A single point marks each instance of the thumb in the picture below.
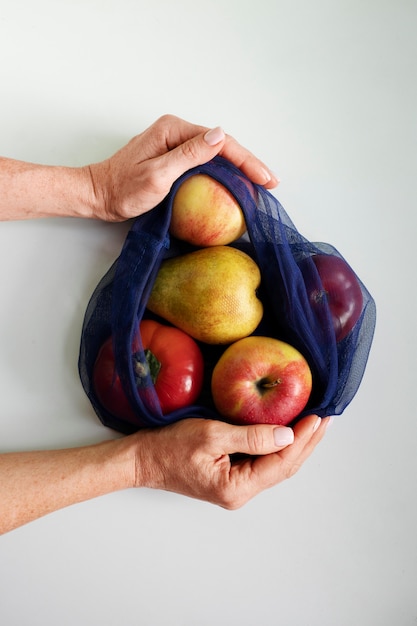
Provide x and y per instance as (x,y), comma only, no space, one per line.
(259,439)
(195,151)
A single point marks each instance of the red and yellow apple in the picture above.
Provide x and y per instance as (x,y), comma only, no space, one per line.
(205,213)
(261,380)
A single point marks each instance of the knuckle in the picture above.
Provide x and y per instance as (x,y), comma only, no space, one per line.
(256,439)
(231,497)
(209,433)
(231,502)
(152,179)
(190,151)
(290,469)
(158,132)
(166,120)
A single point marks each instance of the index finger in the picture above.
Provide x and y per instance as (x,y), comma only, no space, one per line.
(266,471)
(176,131)
(248,163)
(307,434)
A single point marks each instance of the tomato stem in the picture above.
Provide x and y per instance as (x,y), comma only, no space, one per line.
(153,364)
(150,367)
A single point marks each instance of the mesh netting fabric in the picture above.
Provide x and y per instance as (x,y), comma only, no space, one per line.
(284,257)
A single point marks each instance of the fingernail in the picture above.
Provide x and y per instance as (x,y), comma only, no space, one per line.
(266,174)
(330,422)
(317,424)
(214,136)
(283,436)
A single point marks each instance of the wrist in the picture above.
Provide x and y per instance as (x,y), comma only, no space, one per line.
(145,467)
(119,460)
(98,175)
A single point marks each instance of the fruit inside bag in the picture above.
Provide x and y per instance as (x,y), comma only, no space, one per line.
(294,291)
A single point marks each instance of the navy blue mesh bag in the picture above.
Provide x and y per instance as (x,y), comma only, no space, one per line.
(296,309)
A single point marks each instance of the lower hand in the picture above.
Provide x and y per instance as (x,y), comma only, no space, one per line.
(192,457)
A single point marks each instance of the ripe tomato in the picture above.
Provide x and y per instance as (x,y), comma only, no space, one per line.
(178,377)
(107,384)
(175,364)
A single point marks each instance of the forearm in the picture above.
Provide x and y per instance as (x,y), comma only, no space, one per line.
(28,190)
(33,484)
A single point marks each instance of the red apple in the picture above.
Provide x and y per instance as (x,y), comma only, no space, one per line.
(340,289)
(261,380)
(205,213)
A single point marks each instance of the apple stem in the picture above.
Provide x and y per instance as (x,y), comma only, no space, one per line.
(271,384)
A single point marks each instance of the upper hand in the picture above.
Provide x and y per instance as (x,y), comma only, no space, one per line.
(140,175)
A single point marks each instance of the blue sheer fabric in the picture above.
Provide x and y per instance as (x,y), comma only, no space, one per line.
(288,274)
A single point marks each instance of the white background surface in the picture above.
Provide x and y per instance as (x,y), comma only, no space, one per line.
(325,93)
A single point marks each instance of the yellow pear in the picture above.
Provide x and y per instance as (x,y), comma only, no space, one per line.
(209,293)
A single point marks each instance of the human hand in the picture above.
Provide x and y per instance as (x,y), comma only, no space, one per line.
(192,457)
(140,175)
